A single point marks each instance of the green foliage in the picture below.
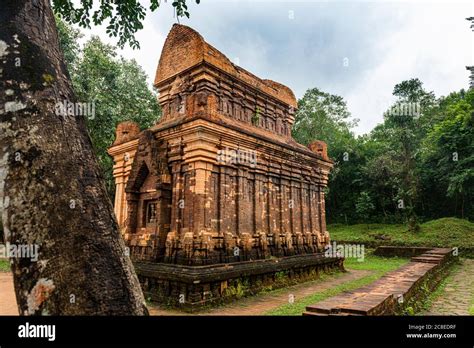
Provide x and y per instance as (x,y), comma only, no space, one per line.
(415,166)
(403,137)
(428,290)
(448,150)
(69,43)
(256,117)
(4,266)
(364,206)
(324,116)
(124,18)
(117,87)
(445,232)
(280,275)
(434,295)
(236,290)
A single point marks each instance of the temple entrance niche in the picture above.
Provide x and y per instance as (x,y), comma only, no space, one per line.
(148,196)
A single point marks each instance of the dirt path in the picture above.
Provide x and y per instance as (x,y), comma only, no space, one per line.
(7,295)
(458,295)
(258,305)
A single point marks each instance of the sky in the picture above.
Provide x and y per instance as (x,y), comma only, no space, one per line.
(356,49)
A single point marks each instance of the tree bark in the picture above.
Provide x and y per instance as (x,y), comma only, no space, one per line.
(51,189)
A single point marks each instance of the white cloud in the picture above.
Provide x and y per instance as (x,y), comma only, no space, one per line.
(385,42)
(434,44)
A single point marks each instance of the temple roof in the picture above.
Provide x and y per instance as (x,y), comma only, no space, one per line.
(184,48)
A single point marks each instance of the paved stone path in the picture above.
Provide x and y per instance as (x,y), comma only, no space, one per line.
(7,295)
(458,295)
(377,297)
(258,305)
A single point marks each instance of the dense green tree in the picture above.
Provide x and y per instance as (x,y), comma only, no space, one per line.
(324,116)
(119,91)
(416,165)
(69,43)
(379,174)
(364,206)
(404,128)
(448,151)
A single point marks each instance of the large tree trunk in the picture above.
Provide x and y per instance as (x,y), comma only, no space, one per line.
(51,189)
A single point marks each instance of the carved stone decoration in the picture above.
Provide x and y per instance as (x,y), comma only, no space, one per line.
(218,180)
(125,132)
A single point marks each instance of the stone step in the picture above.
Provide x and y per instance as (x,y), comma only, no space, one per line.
(381,296)
(323,315)
(427,259)
(315,314)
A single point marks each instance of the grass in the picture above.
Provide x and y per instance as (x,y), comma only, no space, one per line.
(439,290)
(445,232)
(378,265)
(375,263)
(4,266)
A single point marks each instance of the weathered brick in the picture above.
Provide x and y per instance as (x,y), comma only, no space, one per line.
(218,179)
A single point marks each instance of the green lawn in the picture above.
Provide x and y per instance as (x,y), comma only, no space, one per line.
(378,265)
(4,266)
(446,232)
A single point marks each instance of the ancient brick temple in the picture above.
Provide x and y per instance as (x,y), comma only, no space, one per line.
(218,189)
